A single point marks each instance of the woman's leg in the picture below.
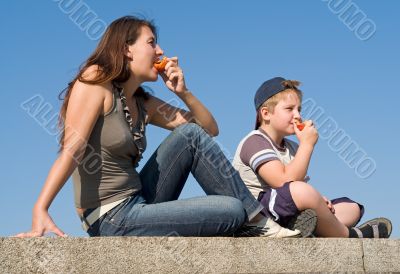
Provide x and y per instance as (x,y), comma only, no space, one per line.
(190,149)
(156,212)
(305,196)
(203,216)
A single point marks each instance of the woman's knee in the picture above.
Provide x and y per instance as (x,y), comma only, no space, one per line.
(189,129)
(181,137)
(186,133)
(193,135)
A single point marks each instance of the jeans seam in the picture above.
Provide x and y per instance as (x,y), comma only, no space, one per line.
(162,181)
(165,223)
(214,177)
(252,204)
(219,182)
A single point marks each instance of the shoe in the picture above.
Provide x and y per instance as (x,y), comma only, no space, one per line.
(381,227)
(305,221)
(266,228)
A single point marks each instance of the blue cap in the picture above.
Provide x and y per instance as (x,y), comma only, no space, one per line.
(268,89)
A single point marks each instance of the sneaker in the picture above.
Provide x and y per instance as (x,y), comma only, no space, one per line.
(305,221)
(381,228)
(266,228)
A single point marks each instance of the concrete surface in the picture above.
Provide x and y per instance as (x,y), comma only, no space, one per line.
(197,255)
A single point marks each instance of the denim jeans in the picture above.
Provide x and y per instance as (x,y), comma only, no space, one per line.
(155,210)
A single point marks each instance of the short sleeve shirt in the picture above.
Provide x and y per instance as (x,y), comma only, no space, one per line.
(256,149)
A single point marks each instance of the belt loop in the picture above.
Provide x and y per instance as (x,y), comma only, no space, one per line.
(97,213)
(85,224)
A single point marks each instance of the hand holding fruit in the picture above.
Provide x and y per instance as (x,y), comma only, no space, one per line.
(172,74)
(306,132)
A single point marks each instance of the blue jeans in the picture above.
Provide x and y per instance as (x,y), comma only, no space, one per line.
(155,210)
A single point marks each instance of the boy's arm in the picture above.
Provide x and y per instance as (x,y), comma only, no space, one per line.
(277,174)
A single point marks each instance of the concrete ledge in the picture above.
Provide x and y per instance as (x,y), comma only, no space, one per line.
(191,255)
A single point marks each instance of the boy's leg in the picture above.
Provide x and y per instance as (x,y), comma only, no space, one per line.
(379,227)
(305,221)
(305,196)
(279,205)
(347,211)
(190,149)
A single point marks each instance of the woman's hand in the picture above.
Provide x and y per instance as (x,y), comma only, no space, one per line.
(173,77)
(41,225)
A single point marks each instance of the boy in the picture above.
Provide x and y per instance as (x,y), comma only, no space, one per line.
(274,167)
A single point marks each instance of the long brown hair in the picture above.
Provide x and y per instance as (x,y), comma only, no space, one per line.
(110,60)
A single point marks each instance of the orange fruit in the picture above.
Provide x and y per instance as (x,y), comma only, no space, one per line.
(160,64)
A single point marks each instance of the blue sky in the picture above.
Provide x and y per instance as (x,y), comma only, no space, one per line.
(226,49)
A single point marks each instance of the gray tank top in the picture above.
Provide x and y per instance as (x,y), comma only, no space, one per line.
(107,172)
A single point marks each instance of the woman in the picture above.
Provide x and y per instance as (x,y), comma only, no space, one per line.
(103,119)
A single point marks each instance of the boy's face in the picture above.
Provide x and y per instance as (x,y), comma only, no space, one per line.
(286,112)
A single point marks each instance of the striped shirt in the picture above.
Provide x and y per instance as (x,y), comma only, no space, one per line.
(256,149)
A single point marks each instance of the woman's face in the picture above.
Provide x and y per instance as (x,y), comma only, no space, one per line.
(143,53)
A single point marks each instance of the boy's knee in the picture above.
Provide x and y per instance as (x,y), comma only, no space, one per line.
(354,208)
(304,195)
(299,186)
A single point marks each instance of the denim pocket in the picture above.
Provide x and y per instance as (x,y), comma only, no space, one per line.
(113,215)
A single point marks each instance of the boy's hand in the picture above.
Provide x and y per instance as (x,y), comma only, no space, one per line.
(329,204)
(309,134)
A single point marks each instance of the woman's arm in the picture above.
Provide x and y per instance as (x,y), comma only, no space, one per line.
(167,116)
(85,104)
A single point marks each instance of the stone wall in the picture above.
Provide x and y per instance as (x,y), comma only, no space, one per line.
(196,255)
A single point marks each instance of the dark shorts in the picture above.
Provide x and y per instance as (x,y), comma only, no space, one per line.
(279,205)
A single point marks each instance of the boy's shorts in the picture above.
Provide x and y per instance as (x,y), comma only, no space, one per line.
(279,205)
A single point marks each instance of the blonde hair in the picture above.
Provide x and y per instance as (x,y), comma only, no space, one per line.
(291,86)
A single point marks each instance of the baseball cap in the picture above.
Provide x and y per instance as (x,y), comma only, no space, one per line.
(268,89)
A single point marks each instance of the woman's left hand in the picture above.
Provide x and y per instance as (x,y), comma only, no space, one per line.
(173,77)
